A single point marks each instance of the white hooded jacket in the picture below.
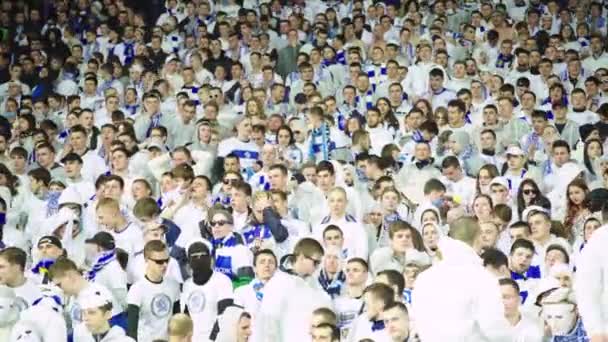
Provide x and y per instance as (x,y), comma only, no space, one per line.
(460,296)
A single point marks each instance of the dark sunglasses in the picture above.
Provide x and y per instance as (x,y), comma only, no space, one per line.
(229,181)
(218,223)
(160,261)
(529,192)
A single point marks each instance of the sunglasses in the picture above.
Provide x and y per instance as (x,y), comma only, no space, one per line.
(529,192)
(229,181)
(218,223)
(316,262)
(160,261)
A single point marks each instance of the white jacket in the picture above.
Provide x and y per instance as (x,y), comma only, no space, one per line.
(458,300)
(115,334)
(286,310)
(591,284)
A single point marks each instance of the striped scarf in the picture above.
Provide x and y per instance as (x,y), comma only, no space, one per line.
(376,74)
(52,202)
(104,259)
(332,287)
(503,61)
(321,145)
(257,231)
(369,101)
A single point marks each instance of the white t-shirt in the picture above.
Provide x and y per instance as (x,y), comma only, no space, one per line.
(137,266)
(201,302)
(130,239)
(155,302)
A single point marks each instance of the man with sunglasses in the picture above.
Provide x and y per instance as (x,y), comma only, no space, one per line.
(291,296)
(152,300)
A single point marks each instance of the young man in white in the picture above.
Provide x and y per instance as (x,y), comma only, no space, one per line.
(291,296)
(250,296)
(96,306)
(106,271)
(349,304)
(128,235)
(207,294)
(525,329)
(66,276)
(371,324)
(397,321)
(12,275)
(152,300)
(355,238)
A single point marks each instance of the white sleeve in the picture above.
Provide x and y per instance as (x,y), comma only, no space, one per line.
(489,311)
(158,165)
(268,319)
(590,274)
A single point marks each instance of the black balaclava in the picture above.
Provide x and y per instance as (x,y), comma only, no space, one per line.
(199,259)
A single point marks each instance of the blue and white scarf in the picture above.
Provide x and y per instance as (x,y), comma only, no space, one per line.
(320,143)
(258,286)
(102,260)
(533,272)
(369,101)
(52,202)
(257,231)
(154,122)
(332,287)
(228,241)
(504,61)
(376,74)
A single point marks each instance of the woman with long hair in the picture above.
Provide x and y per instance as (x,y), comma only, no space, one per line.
(483,209)
(484,178)
(391,123)
(577,209)
(287,149)
(592,151)
(527,194)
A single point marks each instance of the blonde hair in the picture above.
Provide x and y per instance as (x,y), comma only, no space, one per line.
(260,195)
(108,203)
(180,325)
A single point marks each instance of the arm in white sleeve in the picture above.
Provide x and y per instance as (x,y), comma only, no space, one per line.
(588,286)
(490,311)
(158,165)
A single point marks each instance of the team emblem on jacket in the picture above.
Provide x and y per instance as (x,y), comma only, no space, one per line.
(196,302)
(76,313)
(161,305)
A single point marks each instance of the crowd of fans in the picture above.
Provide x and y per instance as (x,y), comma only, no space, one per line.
(303,170)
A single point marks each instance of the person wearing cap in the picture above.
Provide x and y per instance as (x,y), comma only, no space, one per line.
(153,299)
(66,276)
(207,293)
(72,165)
(516,169)
(106,269)
(49,249)
(96,310)
(560,314)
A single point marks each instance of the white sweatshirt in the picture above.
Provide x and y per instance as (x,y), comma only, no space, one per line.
(591,284)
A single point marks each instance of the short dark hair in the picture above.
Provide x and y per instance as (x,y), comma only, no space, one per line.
(154,246)
(495,258)
(509,282)
(359,261)
(265,251)
(382,292)
(394,278)
(41,174)
(433,184)
(522,243)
